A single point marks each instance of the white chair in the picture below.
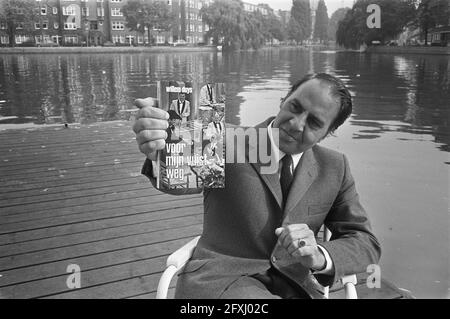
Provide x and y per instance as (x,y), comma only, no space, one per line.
(179,258)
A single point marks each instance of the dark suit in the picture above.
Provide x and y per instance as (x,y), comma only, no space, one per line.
(240,220)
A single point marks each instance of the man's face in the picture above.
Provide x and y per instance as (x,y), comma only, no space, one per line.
(182,97)
(305,117)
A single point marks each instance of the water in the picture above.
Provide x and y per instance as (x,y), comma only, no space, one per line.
(397,139)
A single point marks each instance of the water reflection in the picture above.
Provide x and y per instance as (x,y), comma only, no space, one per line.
(413,90)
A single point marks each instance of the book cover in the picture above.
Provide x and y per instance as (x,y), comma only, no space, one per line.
(194,156)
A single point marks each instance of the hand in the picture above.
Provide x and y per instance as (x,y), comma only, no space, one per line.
(150,127)
(300,242)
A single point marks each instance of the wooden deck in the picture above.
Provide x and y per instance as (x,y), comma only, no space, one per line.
(76,196)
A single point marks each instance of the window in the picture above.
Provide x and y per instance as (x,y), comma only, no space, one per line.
(70,26)
(100,12)
(4,39)
(118,39)
(115,12)
(55,10)
(43,11)
(85,11)
(45,25)
(21,38)
(37,26)
(19,25)
(118,25)
(70,39)
(3,25)
(200,29)
(55,25)
(69,11)
(94,25)
(206,28)
(116,0)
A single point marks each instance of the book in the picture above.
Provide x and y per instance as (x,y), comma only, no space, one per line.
(194,155)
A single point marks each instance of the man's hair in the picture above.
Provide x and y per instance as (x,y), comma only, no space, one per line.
(173,115)
(338,90)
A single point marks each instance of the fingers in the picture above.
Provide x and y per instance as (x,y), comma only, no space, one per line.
(147,102)
(146,136)
(151,147)
(297,239)
(149,124)
(288,233)
(152,112)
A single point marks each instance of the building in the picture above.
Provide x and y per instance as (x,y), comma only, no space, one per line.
(264,9)
(440,35)
(96,22)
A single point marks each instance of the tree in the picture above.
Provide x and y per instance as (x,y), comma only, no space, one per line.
(18,14)
(275,27)
(147,15)
(335,18)
(226,23)
(321,24)
(353,30)
(299,27)
(432,13)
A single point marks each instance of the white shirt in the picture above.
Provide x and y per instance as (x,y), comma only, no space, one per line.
(277,156)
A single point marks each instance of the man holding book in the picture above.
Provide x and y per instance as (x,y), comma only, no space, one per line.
(259,233)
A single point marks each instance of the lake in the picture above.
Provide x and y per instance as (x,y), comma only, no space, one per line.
(397,139)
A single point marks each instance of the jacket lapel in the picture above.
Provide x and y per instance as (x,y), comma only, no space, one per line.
(272,181)
(305,174)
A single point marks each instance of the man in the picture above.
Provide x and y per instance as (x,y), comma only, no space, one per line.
(181,107)
(259,231)
(216,127)
(173,131)
(207,95)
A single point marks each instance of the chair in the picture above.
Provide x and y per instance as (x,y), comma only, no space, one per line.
(179,258)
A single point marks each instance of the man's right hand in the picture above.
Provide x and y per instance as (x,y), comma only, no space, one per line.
(150,127)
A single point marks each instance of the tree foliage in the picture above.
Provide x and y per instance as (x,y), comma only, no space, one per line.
(147,15)
(396,15)
(333,23)
(299,27)
(432,13)
(236,29)
(321,23)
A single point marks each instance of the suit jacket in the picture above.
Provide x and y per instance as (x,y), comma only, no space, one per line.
(205,95)
(185,111)
(240,221)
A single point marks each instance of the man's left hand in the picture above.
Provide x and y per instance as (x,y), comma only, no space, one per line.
(300,242)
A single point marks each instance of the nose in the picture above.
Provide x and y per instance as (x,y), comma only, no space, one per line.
(298,122)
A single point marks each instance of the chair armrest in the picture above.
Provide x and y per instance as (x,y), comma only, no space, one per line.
(349,283)
(180,257)
(174,263)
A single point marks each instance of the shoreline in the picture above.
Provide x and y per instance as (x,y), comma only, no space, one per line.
(189,49)
(408,50)
(102,50)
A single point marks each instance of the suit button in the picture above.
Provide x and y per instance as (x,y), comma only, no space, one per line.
(274,259)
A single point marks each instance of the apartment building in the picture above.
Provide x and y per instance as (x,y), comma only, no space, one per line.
(96,22)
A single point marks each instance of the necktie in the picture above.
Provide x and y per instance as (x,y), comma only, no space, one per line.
(286,176)
(210,93)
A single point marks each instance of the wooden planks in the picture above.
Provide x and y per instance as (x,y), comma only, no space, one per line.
(76,196)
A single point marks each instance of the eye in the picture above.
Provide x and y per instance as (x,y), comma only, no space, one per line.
(296,108)
(314,123)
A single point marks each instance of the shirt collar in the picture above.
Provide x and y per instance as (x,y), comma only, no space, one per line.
(277,153)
